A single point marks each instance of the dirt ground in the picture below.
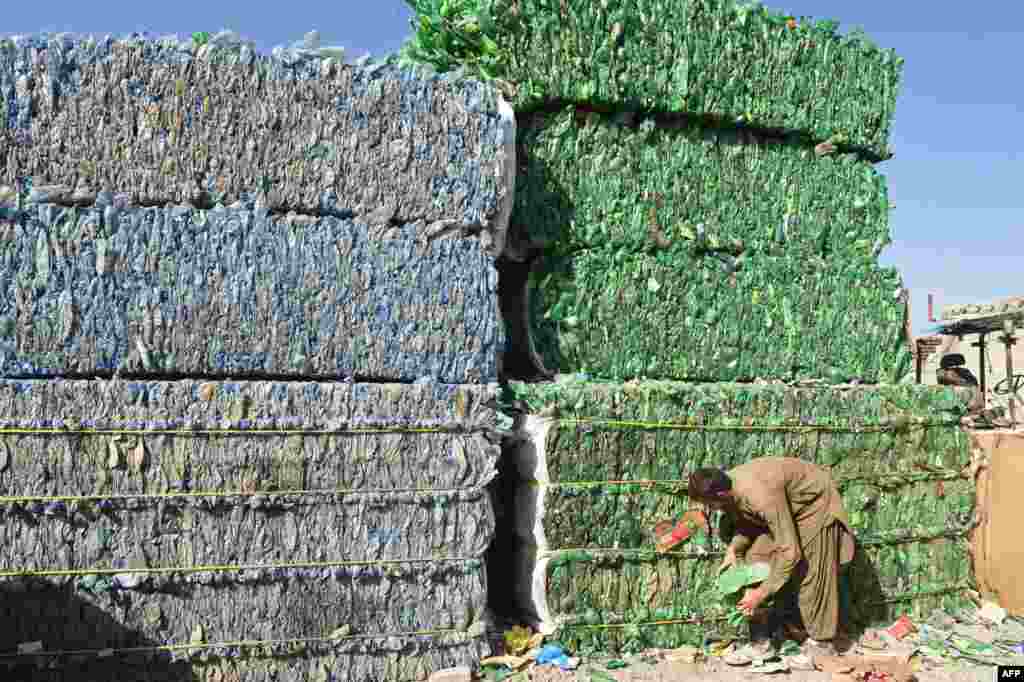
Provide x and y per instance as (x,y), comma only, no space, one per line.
(939,649)
(716,671)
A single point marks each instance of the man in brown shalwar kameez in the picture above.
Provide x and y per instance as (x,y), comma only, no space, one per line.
(798,505)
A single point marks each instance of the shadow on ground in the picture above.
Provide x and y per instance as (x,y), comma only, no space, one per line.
(63,618)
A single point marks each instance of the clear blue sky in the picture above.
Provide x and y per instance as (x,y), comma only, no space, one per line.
(956,179)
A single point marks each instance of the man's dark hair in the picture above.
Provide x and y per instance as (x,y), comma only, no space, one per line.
(952,360)
(707,484)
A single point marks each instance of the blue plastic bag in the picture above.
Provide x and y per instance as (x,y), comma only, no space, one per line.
(552,654)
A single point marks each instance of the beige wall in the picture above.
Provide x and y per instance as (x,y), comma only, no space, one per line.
(996,548)
(995,368)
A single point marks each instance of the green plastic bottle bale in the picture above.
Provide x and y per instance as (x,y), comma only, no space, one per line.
(912,578)
(884,506)
(711,58)
(680,317)
(574,520)
(657,184)
(589,404)
(670,594)
(617,431)
(896,452)
(633,590)
(633,638)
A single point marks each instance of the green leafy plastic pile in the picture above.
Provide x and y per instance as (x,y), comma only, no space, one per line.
(697,199)
(714,58)
(616,457)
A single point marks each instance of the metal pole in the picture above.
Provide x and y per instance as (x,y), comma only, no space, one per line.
(918,362)
(980,345)
(1009,341)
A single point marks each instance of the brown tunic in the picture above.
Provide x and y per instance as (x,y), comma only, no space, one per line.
(794,501)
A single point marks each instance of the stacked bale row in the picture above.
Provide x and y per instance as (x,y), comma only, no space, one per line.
(405,167)
(688,229)
(718,59)
(607,462)
(339,519)
(697,202)
(223,525)
(674,222)
(690,247)
(239,291)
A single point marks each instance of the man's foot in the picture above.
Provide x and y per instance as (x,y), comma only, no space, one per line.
(815,647)
(762,650)
(811,650)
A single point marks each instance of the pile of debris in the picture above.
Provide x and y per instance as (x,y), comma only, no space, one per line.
(903,652)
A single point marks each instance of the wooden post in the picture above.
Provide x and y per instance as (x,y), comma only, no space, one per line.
(1009,341)
(980,345)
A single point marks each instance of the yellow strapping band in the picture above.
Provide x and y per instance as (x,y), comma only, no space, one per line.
(955,533)
(697,621)
(922,477)
(229,493)
(103,653)
(767,427)
(225,431)
(31,572)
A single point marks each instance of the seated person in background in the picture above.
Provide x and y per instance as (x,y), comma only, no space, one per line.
(951,372)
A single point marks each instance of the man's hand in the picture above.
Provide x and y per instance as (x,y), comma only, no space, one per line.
(752,598)
(730,559)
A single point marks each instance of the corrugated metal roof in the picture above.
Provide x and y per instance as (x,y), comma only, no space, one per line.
(982,318)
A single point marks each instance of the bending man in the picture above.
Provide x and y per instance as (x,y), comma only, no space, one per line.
(798,505)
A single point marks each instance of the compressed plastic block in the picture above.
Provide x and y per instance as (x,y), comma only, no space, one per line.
(165,121)
(239,292)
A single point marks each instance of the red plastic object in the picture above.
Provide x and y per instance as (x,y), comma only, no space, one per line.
(901,628)
(668,536)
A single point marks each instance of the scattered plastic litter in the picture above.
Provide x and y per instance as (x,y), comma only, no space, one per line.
(769,668)
(789,648)
(683,654)
(992,613)
(552,654)
(519,640)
